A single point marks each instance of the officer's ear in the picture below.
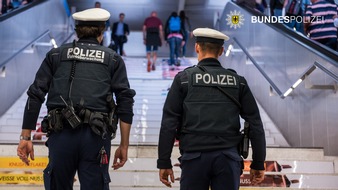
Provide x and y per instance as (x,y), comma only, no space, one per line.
(221,51)
(197,48)
(100,38)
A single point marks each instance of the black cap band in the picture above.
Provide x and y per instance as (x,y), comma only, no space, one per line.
(91,23)
(210,40)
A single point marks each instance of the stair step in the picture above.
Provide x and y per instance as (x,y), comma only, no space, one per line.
(34,187)
(149,165)
(9,137)
(150,151)
(304,168)
(10,129)
(150,180)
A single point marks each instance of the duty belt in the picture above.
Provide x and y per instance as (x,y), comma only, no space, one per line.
(98,121)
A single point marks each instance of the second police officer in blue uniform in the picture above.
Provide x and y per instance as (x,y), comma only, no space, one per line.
(80,79)
(207,121)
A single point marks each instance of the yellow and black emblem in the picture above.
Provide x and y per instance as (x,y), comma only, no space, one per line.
(235,19)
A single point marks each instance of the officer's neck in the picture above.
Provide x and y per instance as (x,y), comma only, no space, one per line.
(206,55)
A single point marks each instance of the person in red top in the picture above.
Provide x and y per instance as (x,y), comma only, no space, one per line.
(152,38)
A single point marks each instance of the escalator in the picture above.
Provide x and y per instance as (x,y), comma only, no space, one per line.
(26,36)
(292,77)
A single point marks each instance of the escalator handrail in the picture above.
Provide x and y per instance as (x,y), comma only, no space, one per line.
(32,42)
(325,70)
(22,49)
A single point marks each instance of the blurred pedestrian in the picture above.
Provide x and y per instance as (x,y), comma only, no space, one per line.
(174,35)
(152,38)
(120,32)
(276,7)
(296,9)
(107,33)
(187,30)
(323,29)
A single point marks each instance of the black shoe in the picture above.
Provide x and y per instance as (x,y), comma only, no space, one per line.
(178,63)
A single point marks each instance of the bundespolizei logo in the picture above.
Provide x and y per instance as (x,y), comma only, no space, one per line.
(235,19)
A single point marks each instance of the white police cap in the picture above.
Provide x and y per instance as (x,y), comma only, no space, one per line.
(93,16)
(209,35)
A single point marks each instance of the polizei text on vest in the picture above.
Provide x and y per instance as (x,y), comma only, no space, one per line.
(218,79)
(85,54)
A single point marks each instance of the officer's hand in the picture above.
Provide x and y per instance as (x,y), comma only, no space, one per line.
(164,174)
(120,157)
(256,176)
(25,149)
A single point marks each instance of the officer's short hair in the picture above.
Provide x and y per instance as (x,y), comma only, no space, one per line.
(91,22)
(210,47)
(89,31)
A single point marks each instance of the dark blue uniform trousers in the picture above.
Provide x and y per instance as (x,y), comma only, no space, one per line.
(219,170)
(76,150)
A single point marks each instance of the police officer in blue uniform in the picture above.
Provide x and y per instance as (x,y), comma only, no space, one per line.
(81,79)
(207,122)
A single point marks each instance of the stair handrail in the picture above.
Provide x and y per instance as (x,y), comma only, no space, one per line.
(272,84)
(30,43)
(325,70)
(304,77)
(22,49)
(305,74)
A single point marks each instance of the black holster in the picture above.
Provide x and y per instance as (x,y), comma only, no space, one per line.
(53,122)
(244,144)
(112,116)
(112,124)
(99,122)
